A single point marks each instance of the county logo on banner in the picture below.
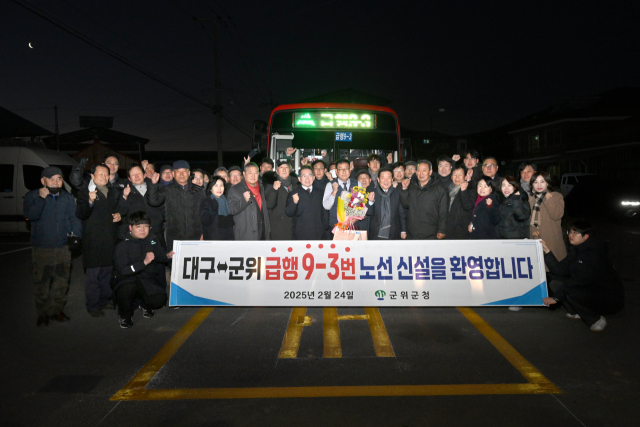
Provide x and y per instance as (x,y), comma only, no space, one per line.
(358,273)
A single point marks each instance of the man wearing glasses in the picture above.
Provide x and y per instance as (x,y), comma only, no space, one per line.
(304,204)
(335,188)
(490,169)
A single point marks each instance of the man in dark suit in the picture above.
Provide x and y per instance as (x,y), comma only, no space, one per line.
(387,216)
(304,204)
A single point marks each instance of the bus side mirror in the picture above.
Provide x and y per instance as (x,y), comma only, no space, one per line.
(259,135)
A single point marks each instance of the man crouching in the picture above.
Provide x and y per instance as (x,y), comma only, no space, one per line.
(140,273)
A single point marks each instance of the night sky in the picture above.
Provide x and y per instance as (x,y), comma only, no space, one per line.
(485,63)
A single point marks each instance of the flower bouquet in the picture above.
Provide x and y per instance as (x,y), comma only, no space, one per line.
(352,207)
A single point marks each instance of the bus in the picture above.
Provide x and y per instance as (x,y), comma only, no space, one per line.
(329,131)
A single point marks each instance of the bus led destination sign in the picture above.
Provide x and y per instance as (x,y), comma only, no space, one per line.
(334,120)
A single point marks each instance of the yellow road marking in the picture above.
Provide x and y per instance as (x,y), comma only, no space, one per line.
(331,333)
(335,391)
(291,342)
(135,389)
(353,317)
(148,371)
(381,341)
(527,370)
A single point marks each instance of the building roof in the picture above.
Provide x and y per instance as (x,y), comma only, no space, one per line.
(14,126)
(76,140)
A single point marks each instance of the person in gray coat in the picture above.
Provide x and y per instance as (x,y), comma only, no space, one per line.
(248,206)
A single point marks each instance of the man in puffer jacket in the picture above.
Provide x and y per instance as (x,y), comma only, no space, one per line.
(52,213)
(139,271)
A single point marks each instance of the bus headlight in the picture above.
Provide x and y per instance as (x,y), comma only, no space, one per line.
(630,203)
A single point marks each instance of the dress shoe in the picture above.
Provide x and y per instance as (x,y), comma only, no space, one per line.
(60,317)
(43,320)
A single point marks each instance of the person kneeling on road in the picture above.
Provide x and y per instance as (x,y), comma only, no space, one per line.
(588,284)
(140,274)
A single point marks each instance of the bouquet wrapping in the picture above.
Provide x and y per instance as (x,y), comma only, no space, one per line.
(352,207)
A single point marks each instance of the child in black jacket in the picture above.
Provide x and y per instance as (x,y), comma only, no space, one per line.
(138,263)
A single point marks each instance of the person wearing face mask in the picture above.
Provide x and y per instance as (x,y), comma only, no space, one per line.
(462,197)
(277,187)
(217,221)
(514,210)
(51,210)
(388,219)
(304,206)
(547,210)
(486,212)
(100,209)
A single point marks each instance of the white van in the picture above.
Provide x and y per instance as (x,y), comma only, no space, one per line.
(20,169)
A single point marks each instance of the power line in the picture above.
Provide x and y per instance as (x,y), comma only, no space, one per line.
(67,28)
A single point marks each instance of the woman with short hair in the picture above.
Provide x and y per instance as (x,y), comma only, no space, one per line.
(486,212)
(514,210)
(547,210)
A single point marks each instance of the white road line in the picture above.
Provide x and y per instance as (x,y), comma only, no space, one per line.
(17,250)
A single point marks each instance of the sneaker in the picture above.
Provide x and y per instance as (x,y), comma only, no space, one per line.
(573,316)
(599,325)
(514,308)
(146,313)
(126,323)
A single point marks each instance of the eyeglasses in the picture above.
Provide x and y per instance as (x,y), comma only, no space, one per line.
(489,165)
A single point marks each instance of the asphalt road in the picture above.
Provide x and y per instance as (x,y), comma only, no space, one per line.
(233,366)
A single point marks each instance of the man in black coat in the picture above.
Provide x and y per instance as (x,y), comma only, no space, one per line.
(140,274)
(304,205)
(427,203)
(490,169)
(322,178)
(588,284)
(387,216)
(181,201)
(277,187)
(471,160)
(135,201)
(100,209)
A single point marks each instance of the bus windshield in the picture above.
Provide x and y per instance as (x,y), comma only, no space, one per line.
(333,131)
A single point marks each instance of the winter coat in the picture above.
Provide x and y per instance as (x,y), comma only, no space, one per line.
(214,226)
(99,232)
(307,215)
(398,215)
(588,277)
(281,224)
(51,219)
(550,228)
(181,210)
(320,185)
(428,208)
(333,212)
(128,263)
(247,216)
(515,213)
(460,212)
(136,202)
(485,219)
(445,181)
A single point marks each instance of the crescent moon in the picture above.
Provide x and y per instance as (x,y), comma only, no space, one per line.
(30,45)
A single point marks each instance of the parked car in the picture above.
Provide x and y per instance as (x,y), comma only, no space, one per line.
(612,199)
(569,180)
(20,169)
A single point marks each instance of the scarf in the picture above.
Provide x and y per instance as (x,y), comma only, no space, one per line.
(453,190)
(256,194)
(142,188)
(525,186)
(286,183)
(374,175)
(103,189)
(478,200)
(385,208)
(535,211)
(223,205)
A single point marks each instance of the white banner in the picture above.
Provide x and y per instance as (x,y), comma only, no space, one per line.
(358,273)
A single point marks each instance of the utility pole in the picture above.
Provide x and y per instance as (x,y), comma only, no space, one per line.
(218,109)
(55,110)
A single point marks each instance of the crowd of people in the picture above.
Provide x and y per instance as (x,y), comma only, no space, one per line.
(126,227)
